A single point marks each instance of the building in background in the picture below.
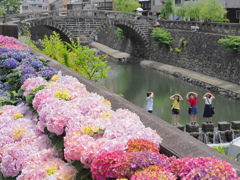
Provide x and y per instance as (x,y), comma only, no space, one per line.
(34,5)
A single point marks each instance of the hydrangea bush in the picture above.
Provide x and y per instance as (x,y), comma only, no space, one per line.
(61,131)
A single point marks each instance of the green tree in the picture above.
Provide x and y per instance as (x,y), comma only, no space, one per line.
(181,12)
(167,9)
(193,10)
(1,10)
(11,6)
(126,5)
(212,10)
(78,58)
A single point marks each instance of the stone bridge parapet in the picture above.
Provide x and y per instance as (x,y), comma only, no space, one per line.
(208,27)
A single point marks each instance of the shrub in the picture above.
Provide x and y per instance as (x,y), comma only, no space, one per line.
(222,20)
(231,43)
(162,37)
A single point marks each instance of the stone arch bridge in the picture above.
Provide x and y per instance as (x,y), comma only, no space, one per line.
(89,23)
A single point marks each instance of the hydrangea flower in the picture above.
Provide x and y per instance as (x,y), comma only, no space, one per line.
(28,70)
(202,167)
(47,72)
(136,145)
(10,63)
(155,172)
(37,64)
(27,76)
(120,164)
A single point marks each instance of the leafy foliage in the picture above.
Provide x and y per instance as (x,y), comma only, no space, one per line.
(76,57)
(219,149)
(119,33)
(167,9)
(126,5)
(231,43)
(162,37)
(181,12)
(11,6)
(193,10)
(222,20)
(211,10)
(1,10)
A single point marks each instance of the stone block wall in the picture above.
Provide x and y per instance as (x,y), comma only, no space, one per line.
(202,54)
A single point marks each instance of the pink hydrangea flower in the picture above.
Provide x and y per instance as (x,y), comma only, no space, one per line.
(202,167)
(80,147)
(32,83)
(15,46)
(8,40)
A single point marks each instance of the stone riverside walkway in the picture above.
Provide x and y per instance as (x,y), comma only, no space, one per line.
(192,74)
(227,86)
(111,52)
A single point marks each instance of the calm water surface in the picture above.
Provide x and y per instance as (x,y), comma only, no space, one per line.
(133,81)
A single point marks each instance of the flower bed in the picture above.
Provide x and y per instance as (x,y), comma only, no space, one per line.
(56,129)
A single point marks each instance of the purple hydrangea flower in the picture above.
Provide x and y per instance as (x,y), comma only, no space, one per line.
(2,93)
(26,76)
(17,56)
(3,56)
(10,75)
(48,72)
(10,63)
(3,49)
(28,70)
(36,64)
(30,58)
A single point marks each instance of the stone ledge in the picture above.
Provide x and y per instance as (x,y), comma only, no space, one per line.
(175,142)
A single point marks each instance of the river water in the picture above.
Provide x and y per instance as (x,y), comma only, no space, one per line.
(133,81)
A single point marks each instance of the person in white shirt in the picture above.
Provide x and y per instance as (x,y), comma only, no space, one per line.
(149,99)
(208,111)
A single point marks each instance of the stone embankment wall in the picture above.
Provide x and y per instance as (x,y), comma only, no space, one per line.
(202,54)
(109,38)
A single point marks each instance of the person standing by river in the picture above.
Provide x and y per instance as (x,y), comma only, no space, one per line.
(192,99)
(208,111)
(149,99)
(175,108)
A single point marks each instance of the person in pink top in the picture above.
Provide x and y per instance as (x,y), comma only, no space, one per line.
(192,99)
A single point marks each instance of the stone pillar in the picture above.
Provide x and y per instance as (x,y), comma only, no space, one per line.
(192,128)
(223,126)
(236,125)
(206,127)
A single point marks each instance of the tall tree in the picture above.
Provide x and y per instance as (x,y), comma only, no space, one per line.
(126,5)
(167,9)
(193,10)
(181,12)
(1,10)
(11,6)
(212,10)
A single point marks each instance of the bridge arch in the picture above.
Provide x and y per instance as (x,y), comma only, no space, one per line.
(138,38)
(65,34)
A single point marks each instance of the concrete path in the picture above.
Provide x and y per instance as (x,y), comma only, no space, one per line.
(188,73)
(111,52)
